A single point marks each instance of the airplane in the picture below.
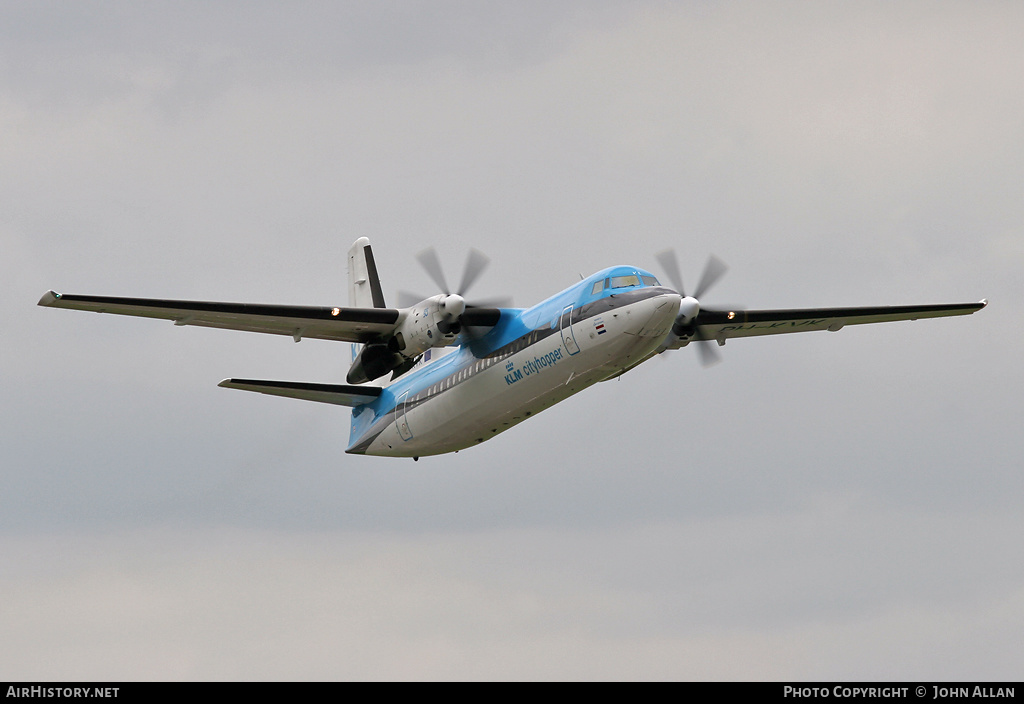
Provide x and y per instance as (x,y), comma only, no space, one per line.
(461,373)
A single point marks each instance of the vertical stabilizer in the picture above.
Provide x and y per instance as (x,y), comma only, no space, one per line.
(363,283)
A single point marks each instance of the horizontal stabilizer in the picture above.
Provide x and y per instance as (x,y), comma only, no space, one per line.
(338,394)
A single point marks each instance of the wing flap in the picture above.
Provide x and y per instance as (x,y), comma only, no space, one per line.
(722,325)
(320,322)
(337,394)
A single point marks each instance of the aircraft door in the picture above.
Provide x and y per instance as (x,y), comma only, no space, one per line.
(568,339)
(400,417)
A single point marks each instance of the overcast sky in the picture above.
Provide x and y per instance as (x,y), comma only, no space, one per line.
(823,506)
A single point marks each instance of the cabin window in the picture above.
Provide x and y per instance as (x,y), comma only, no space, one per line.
(625,281)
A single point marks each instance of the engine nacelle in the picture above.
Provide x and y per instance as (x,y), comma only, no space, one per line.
(431,323)
(434,322)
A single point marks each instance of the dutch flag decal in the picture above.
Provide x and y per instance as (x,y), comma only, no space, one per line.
(599,326)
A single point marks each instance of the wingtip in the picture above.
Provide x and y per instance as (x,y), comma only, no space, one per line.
(984,302)
(49,298)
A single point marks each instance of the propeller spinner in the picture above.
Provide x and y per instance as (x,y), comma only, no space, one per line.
(689,306)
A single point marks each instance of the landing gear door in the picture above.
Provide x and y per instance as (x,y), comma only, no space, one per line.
(568,339)
(403,422)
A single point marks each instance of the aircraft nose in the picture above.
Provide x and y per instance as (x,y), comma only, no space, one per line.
(654,316)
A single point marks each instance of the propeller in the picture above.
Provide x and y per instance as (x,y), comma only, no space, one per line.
(458,311)
(690,307)
(476,262)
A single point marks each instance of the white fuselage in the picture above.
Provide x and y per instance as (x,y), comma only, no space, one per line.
(480,398)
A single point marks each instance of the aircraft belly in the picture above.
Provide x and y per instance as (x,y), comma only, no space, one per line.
(493,403)
(493,400)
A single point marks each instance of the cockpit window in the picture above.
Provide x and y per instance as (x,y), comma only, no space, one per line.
(598,287)
(624,281)
(649,280)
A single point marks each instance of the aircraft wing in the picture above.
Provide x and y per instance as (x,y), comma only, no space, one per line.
(721,324)
(325,323)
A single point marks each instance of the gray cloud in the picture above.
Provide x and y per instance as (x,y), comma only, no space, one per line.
(704,598)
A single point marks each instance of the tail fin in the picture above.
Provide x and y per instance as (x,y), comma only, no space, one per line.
(363,283)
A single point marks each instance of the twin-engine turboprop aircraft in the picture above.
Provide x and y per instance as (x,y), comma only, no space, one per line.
(462,373)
